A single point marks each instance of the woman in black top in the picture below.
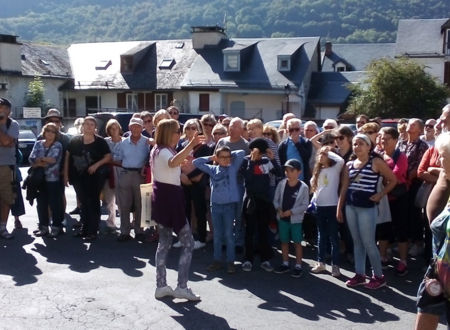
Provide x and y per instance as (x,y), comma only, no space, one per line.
(84,168)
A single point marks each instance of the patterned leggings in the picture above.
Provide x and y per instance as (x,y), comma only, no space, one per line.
(164,245)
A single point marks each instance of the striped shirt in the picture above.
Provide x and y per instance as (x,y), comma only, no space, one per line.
(365,179)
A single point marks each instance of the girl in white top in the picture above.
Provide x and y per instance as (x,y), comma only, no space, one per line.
(325,186)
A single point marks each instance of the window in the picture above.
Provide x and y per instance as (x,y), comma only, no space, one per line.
(284,63)
(340,67)
(447,42)
(203,102)
(93,104)
(70,107)
(126,63)
(103,65)
(160,101)
(232,62)
(3,86)
(179,45)
(447,73)
(167,63)
(132,102)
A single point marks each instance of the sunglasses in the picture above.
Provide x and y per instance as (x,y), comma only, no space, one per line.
(294,129)
(54,121)
(329,127)
(208,124)
(190,128)
(429,126)
(219,133)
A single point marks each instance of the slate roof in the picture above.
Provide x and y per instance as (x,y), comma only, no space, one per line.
(420,37)
(356,56)
(329,88)
(259,68)
(147,75)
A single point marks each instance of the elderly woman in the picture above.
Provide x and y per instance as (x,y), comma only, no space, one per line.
(47,153)
(208,122)
(169,207)
(361,210)
(114,138)
(160,115)
(85,169)
(194,181)
(219,131)
(271,133)
(432,297)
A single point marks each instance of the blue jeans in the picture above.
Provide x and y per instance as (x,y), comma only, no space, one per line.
(327,227)
(222,218)
(362,223)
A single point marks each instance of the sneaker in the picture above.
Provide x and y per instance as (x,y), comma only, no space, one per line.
(247,266)
(282,269)
(356,280)
(185,293)
(266,266)
(56,231)
(376,283)
(43,231)
(231,269)
(5,234)
(177,245)
(216,265)
(297,272)
(165,291)
(401,269)
(318,268)
(18,224)
(335,271)
(199,245)
(124,238)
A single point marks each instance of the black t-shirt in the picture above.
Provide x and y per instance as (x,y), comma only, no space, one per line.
(84,155)
(289,197)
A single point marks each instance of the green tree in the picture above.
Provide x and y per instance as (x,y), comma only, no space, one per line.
(35,95)
(397,88)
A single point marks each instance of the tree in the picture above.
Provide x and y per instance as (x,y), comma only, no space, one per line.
(398,88)
(35,95)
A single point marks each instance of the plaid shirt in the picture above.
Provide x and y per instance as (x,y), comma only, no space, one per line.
(414,152)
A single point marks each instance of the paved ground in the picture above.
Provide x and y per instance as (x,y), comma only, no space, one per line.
(69,284)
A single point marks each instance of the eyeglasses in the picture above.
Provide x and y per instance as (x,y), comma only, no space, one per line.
(429,126)
(219,133)
(208,124)
(173,113)
(341,137)
(294,129)
(328,127)
(224,157)
(267,134)
(55,121)
(190,128)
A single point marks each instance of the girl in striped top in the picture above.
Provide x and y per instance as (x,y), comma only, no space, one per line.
(361,210)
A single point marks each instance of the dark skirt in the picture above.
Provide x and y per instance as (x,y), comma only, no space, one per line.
(168,205)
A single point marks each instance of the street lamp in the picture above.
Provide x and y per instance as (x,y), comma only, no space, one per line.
(287,92)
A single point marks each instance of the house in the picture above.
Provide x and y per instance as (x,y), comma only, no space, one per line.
(426,41)
(209,73)
(21,62)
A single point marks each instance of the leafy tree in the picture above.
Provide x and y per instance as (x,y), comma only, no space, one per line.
(398,88)
(35,95)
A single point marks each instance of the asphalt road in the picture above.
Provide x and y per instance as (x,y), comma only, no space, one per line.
(69,284)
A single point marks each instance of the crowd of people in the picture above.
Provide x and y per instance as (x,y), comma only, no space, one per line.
(250,184)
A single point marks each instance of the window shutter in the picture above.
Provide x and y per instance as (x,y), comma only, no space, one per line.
(203,104)
(121,100)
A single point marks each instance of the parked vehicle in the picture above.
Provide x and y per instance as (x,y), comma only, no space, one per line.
(26,142)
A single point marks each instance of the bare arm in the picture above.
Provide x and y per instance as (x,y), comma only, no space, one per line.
(342,193)
(179,158)
(381,167)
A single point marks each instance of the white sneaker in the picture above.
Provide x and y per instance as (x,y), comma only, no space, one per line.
(318,268)
(185,293)
(266,266)
(177,245)
(335,272)
(5,234)
(247,266)
(165,291)
(199,245)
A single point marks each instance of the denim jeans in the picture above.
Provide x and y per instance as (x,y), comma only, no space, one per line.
(362,224)
(327,226)
(222,218)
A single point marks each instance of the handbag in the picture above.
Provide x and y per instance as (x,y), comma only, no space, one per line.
(36,175)
(146,205)
(422,195)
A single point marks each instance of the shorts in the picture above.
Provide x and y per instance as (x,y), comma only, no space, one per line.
(290,231)
(7,185)
(432,305)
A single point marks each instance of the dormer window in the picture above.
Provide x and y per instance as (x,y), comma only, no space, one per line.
(167,63)
(231,62)
(340,67)
(103,65)
(126,63)
(284,63)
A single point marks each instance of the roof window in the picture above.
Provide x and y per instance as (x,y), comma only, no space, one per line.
(167,63)
(103,65)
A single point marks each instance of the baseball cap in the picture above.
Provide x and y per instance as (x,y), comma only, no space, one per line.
(136,121)
(293,163)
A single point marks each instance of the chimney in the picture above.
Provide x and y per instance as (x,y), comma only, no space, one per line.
(10,53)
(328,48)
(203,36)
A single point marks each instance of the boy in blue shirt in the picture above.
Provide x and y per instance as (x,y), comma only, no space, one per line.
(224,200)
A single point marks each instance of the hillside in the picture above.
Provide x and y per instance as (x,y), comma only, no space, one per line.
(65,22)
